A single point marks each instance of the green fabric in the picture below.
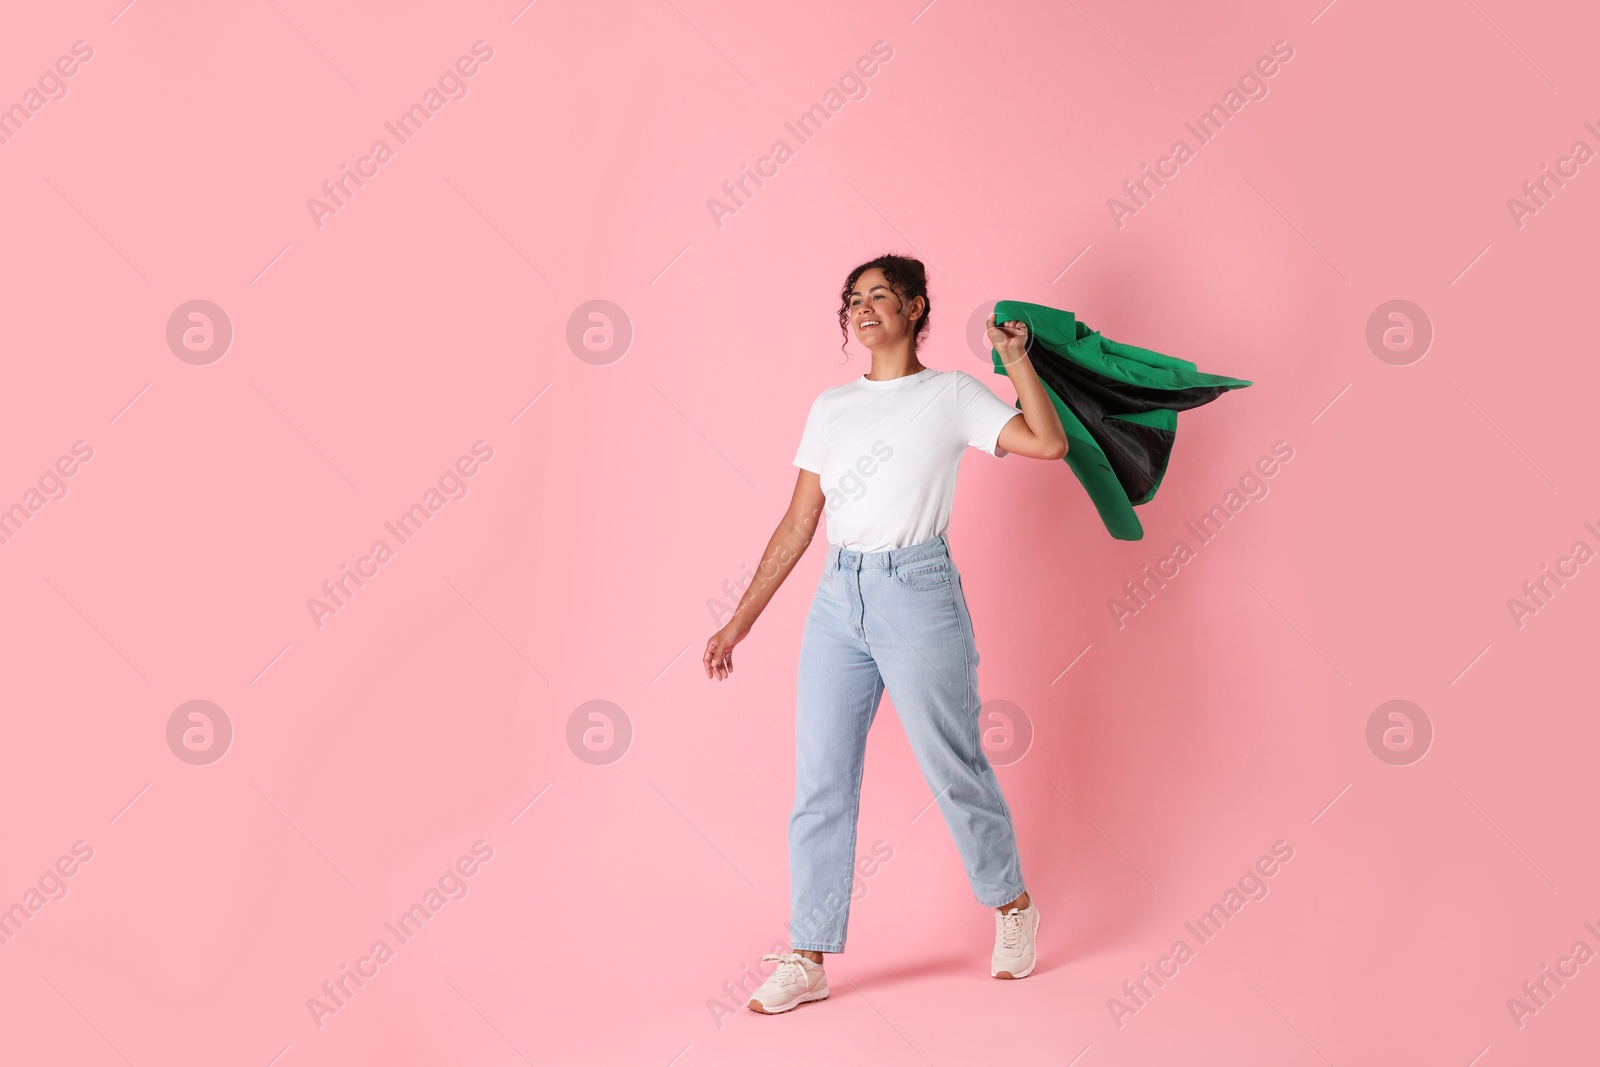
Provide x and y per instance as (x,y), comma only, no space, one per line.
(1118,403)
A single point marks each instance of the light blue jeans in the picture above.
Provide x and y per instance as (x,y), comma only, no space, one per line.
(894,619)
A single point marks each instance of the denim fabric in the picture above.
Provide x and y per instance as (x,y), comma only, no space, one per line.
(895,619)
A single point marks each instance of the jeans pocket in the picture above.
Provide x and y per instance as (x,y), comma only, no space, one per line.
(924,574)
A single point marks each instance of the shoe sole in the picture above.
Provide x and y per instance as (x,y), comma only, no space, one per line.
(806,998)
(1031,966)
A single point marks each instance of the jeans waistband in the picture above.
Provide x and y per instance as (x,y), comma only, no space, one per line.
(849,559)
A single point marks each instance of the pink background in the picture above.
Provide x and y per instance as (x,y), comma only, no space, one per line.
(432,711)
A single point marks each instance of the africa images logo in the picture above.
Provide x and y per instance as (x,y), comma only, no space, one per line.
(452,85)
(452,485)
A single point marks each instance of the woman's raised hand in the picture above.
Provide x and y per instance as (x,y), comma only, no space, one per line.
(1010,339)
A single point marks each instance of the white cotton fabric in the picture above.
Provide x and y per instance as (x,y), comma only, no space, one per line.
(887,453)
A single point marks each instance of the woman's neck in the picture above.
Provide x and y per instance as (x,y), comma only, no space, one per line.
(898,365)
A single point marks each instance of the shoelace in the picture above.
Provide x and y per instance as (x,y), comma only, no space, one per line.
(789,959)
(1011,928)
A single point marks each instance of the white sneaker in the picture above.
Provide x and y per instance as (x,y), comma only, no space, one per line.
(794,981)
(1014,936)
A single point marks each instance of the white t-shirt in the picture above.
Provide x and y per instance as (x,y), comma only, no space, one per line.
(887,453)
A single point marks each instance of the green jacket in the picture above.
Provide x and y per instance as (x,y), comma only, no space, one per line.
(1119,405)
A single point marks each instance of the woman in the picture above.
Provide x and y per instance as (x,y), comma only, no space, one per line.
(878,456)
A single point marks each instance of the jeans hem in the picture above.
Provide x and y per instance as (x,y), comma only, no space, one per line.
(815,946)
(1003,901)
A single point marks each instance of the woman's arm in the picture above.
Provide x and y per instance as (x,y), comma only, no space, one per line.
(789,542)
(1036,432)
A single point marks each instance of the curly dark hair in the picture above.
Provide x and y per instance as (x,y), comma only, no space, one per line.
(906,276)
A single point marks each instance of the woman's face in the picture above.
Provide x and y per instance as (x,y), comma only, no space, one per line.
(877,314)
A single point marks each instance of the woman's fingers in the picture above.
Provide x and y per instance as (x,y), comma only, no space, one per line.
(718,660)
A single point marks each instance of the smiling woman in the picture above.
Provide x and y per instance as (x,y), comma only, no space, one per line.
(890,615)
